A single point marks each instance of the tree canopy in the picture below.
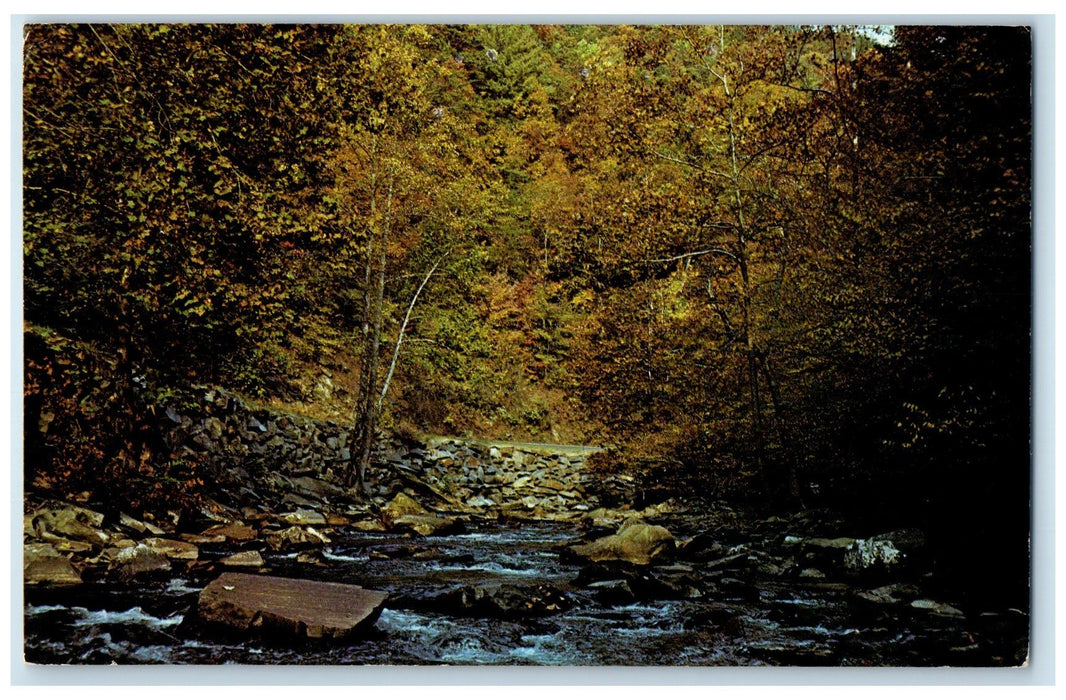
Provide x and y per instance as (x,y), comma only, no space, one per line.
(783,263)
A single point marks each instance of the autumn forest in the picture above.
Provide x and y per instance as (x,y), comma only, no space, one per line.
(780,266)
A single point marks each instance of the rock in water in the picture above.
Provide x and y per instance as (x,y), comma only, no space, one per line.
(635,542)
(615,591)
(249,560)
(400,506)
(368,526)
(892,594)
(295,608)
(296,538)
(303,517)
(173,549)
(937,608)
(501,601)
(137,561)
(885,552)
(428,524)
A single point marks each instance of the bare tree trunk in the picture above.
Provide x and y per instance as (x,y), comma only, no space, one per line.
(403,330)
(747,322)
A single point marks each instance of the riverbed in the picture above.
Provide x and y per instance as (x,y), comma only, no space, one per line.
(731,617)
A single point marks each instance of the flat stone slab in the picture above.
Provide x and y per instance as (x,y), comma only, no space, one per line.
(234,531)
(43,564)
(247,560)
(295,608)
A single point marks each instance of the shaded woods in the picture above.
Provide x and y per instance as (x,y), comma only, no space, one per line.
(783,265)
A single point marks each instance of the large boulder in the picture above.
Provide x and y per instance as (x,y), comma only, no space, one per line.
(138,561)
(69,522)
(635,542)
(42,564)
(399,506)
(293,608)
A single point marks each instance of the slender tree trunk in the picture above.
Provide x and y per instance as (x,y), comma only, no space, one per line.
(747,323)
(783,433)
(403,331)
(373,300)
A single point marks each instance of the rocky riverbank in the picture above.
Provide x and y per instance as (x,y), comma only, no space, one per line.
(434,537)
(728,579)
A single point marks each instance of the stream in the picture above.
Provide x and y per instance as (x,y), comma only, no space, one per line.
(728,619)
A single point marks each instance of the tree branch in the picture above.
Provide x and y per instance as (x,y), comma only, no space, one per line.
(822,91)
(694,166)
(708,251)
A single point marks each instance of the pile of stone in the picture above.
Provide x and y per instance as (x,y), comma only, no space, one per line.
(263,449)
(500,480)
(68,544)
(65,543)
(272,460)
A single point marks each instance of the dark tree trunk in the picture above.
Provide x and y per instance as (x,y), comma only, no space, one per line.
(368,406)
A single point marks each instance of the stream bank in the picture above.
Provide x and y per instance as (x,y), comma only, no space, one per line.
(504,591)
(493,555)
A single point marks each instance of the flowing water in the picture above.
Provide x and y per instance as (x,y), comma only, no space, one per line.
(730,623)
